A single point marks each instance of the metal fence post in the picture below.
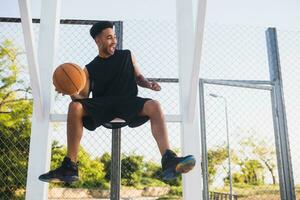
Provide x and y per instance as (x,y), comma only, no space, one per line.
(204,163)
(119,32)
(115,184)
(285,170)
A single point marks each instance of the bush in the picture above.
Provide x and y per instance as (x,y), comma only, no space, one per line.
(176,190)
(131,170)
(152,182)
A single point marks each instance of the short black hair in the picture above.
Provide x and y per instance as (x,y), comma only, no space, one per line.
(99,27)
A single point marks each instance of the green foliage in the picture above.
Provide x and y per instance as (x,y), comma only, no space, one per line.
(176,190)
(169,198)
(264,152)
(15,106)
(215,158)
(152,170)
(145,181)
(96,172)
(136,172)
(175,182)
(106,160)
(132,169)
(15,114)
(238,178)
(254,192)
(251,173)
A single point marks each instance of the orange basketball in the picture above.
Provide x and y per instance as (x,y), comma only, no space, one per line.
(69,78)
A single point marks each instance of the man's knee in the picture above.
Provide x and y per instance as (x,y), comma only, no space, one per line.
(76,107)
(153,107)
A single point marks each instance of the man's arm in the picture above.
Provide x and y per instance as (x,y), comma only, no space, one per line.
(141,80)
(84,93)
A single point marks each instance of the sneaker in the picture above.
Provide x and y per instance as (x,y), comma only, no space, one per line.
(172,165)
(67,172)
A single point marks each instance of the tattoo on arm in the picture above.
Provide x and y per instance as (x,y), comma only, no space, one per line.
(142,81)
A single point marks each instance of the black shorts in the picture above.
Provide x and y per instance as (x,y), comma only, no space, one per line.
(101,110)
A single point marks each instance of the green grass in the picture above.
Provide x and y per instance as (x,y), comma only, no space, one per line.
(170,198)
(262,192)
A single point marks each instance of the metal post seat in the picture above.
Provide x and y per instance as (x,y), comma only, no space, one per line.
(115,177)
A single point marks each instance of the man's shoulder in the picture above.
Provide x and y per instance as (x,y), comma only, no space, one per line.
(92,62)
(123,51)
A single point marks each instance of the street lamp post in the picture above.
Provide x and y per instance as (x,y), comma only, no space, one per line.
(228,142)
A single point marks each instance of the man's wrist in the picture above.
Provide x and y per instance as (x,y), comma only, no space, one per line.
(75,96)
(149,84)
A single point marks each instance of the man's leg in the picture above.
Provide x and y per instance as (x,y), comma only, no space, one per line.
(153,110)
(68,171)
(74,129)
(172,165)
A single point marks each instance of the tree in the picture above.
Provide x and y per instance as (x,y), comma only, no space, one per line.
(152,174)
(251,173)
(15,124)
(135,171)
(264,152)
(152,170)
(215,158)
(132,170)
(106,160)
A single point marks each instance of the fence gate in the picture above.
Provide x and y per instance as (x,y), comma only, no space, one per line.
(245,147)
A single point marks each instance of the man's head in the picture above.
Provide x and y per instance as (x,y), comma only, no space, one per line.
(104,35)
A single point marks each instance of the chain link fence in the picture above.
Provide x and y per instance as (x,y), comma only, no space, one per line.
(229,52)
(138,145)
(141,172)
(15,111)
(240,133)
(234,52)
(248,130)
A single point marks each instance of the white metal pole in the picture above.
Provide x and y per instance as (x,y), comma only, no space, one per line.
(40,141)
(197,52)
(24,7)
(192,182)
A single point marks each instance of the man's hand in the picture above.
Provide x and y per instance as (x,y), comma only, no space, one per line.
(154,86)
(59,92)
(76,96)
(73,96)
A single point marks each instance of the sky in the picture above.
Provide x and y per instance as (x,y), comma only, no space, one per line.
(279,13)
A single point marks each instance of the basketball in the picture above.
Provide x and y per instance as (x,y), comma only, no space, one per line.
(69,78)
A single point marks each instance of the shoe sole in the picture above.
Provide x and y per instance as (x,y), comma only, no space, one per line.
(186,165)
(67,179)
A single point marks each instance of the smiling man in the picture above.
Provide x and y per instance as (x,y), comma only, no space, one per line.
(112,77)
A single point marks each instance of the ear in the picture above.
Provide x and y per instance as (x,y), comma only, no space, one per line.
(97,40)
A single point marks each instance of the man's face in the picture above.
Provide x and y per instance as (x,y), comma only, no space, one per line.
(107,41)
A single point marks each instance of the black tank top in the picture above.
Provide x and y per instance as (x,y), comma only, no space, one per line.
(112,76)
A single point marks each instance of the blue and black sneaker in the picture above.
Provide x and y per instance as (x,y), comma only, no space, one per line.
(67,173)
(173,166)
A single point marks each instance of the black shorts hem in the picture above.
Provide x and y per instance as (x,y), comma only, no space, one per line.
(100,111)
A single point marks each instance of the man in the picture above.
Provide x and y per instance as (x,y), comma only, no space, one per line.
(112,77)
